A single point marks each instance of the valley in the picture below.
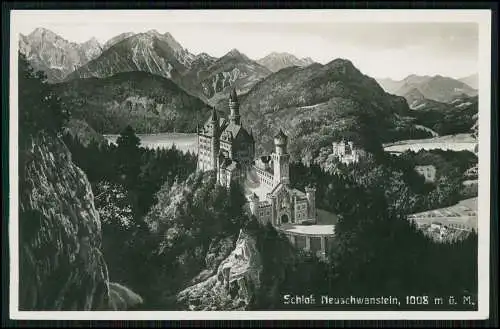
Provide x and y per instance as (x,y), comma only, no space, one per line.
(185,142)
(154,232)
(459,142)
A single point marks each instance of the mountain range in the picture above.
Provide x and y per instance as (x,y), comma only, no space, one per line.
(437,88)
(150,52)
(318,104)
(471,80)
(148,80)
(277,61)
(442,104)
(57,57)
(213,79)
(201,75)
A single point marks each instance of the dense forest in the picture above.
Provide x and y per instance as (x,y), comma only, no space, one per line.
(161,220)
(165,226)
(448,119)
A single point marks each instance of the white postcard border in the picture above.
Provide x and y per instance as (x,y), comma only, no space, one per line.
(481,17)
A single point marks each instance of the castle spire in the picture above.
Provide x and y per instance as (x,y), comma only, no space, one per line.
(233,97)
(234,106)
(214,115)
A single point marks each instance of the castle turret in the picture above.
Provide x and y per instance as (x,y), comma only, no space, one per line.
(254,204)
(214,122)
(281,159)
(280,141)
(311,201)
(234,107)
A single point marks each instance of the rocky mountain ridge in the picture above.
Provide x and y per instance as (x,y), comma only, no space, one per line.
(57,57)
(437,88)
(276,61)
(215,81)
(149,52)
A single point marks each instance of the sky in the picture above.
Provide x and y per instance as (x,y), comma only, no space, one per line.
(387,47)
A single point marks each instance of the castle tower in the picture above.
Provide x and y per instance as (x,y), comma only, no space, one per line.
(343,147)
(311,201)
(281,159)
(254,204)
(214,122)
(234,107)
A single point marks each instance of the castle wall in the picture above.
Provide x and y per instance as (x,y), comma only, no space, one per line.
(227,147)
(265,177)
(205,153)
(320,245)
(264,212)
(300,211)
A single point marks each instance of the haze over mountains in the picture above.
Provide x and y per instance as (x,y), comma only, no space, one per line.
(438,88)
(57,57)
(471,80)
(150,81)
(442,104)
(277,61)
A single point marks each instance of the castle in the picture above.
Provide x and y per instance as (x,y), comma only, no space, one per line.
(226,147)
(345,152)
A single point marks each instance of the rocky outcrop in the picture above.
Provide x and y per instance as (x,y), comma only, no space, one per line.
(234,284)
(61,266)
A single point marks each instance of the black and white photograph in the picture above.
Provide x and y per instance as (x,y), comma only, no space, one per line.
(249,164)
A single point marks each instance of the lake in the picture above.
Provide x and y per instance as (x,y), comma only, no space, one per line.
(183,141)
(459,142)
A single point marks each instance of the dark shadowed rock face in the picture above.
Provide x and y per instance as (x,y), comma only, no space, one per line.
(60,263)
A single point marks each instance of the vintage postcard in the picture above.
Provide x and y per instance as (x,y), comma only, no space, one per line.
(250,164)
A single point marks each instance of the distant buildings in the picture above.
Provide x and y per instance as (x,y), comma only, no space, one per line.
(345,152)
(429,172)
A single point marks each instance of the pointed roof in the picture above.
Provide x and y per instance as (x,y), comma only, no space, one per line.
(214,115)
(232,96)
(237,131)
(280,135)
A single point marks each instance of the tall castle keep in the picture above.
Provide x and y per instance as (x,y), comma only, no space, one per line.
(225,146)
(229,149)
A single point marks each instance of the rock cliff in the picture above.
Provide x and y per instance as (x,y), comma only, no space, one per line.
(57,57)
(234,284)
(60,263)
